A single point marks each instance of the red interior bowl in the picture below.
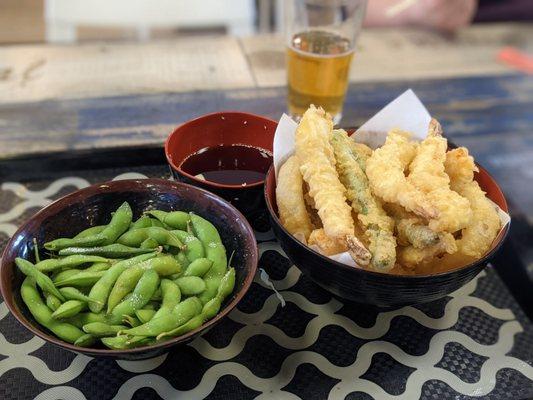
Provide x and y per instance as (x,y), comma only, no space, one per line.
(379,288)
(221,128)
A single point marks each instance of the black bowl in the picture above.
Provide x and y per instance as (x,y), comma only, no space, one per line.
(380,289)
(92,206)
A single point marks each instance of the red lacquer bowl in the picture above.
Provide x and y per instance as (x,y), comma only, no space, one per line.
(221,128)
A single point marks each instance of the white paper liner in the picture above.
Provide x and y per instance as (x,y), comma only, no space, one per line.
(406,112)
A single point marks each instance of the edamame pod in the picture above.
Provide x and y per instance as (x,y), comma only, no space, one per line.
(71,293)
(43,315)
(115,250)
(101,329)
(81,279)
(194,249)
(120,222)
(125,284)
(214,251)
(198,267)
(52,301)
(171,295)
(99,266)
(174,219)
(190,325)
(54,264)
(123,342)
(85,340)
(183,312)
(42,280)
(100,291)
(142,222)
(190,285)
(93,230)
(144,315)
(141,295)
(62,275)
(149,243)
(160,235)
(68,309)
(84,318)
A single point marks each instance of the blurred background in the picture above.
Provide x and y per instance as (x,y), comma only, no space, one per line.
(71,21)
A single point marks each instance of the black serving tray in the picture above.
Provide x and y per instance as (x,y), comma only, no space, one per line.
(476,342)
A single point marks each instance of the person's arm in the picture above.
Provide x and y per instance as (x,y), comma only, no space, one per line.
(443,15)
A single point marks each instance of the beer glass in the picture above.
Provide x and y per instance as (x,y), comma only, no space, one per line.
(320,38)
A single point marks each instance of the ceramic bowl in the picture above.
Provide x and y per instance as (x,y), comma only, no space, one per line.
(380,289)
(221,128)
(92,206)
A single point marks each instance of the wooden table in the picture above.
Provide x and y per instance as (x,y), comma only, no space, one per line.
(87,98)
(55,98)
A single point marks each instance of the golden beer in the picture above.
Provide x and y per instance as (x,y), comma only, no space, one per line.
(318,63)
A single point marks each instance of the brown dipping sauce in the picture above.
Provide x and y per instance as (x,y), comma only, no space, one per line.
(235,164)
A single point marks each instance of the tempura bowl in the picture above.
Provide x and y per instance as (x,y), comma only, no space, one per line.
(92,206)
(380,289)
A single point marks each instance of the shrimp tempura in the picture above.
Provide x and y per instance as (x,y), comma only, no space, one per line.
(385,171)
(427,174)
(317,165)
(478,236)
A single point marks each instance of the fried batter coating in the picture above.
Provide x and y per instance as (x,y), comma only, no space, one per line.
(326,245)
(317,165)
(485,224)
(427,174)
(411,229)
(290,199)
(385,171)
(377,225)
(411,256)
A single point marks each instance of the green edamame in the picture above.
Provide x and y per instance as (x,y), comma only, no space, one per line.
(144,315)
(149,243)
(141,295)
(115,250)
(193,323)
(52,301)
(194,247)
(120,221)
(100,291)
(174,219)
(227,283)
(43,315)
(142,222)
(122,342)
(190,285)
(99,266)
(62,275)
(42,280)
(163,265)
(101,329)
(81,279)
(93,230)
(71,293)
(214,251)
(68,309)
(54,264)
(198,267)
(84,318)
(171,295)
(85,340)
(183,312)
(160,235)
